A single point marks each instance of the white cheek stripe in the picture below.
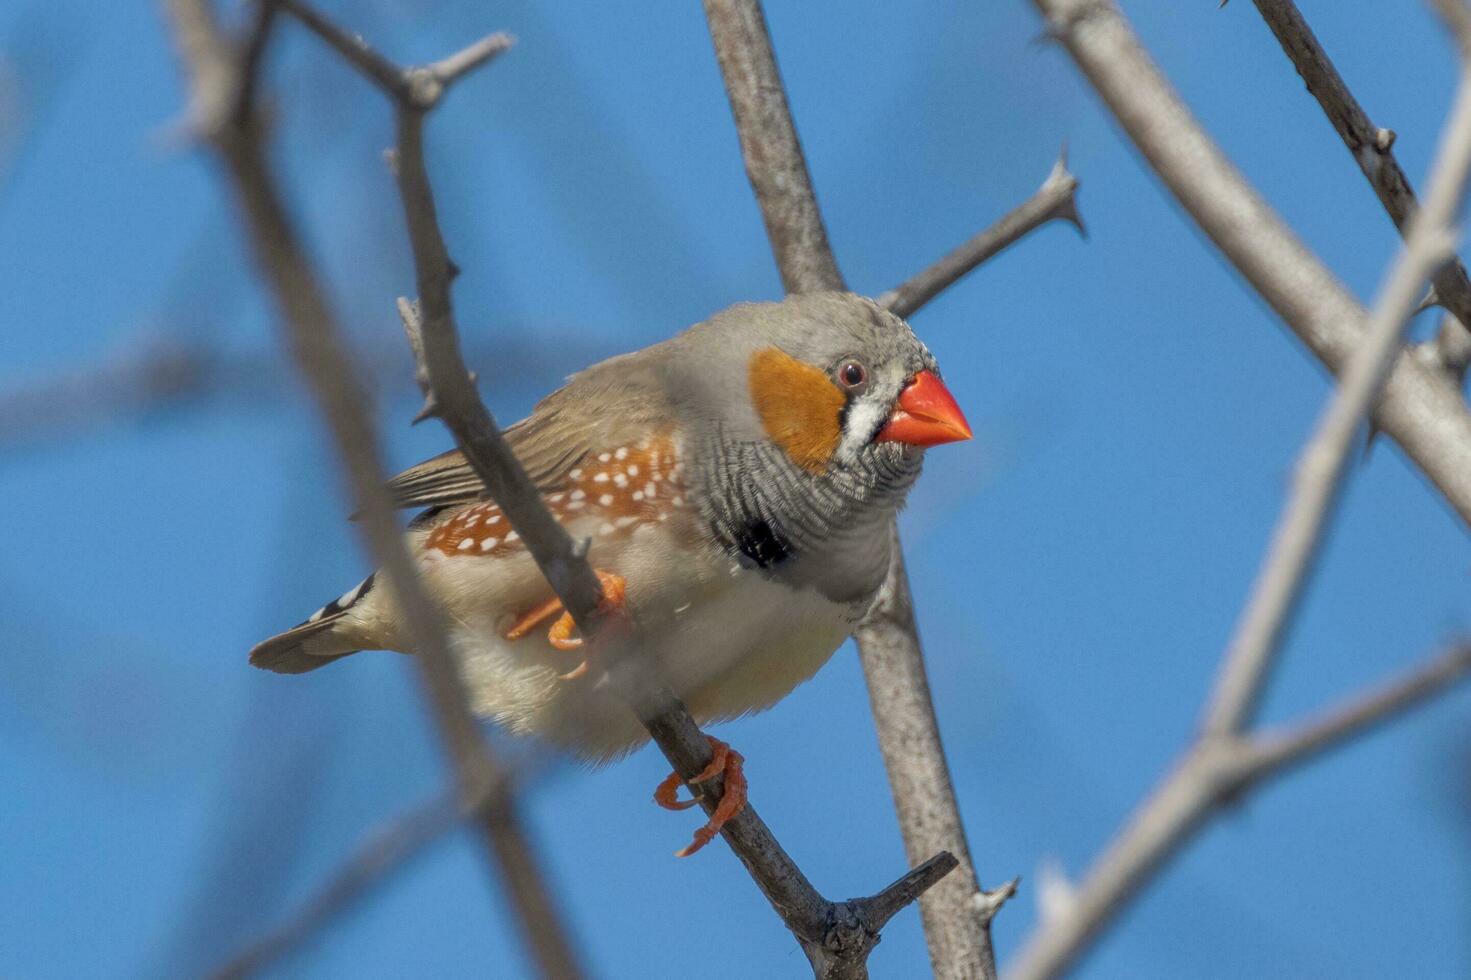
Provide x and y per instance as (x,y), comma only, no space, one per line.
(864,416)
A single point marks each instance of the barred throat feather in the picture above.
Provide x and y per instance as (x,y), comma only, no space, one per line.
(828,531)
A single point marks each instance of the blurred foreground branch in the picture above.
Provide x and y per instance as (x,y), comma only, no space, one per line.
(218,70)
(1226,760)
(372,861)
(152,374)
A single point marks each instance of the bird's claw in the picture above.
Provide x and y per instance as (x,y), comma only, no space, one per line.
(724,761)
(615,590)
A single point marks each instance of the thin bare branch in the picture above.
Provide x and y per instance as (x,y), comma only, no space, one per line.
(418,88)
(377,857)
(160,372)
(353,48)
(1272,751)
(252,53)
(1421,409)
(150,373)
(1215,775)
(773,155)
(1221,764)
(1321,469)
(957,913)
(383,851)
(317,341)
(957,922)
(1372,149)
(1055,200)
(837,947)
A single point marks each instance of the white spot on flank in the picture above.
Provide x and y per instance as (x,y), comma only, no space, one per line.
(605,528)
(576,474)
(624,521)
(577,504)
(600,478)
(513,536)
(604,457)
(466,543)
(555,498)
(656,476)
(633,469)
(677,501)
(638,495)
(578,494)
(649,489)
(620,480)
(472,522)
(622,453)
(488,543)
(605,500)
(492,519)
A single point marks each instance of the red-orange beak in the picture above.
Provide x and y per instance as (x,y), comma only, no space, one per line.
(925,415)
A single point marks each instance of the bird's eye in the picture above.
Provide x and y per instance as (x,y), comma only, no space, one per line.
(852,375)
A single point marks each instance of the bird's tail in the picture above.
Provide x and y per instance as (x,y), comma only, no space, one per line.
(314,643)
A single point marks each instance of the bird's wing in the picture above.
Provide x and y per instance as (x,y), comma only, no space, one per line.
(612,404)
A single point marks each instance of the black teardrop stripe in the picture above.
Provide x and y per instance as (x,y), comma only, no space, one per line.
(759,542)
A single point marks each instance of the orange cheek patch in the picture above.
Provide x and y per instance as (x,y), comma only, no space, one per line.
(799,407)
(623,488)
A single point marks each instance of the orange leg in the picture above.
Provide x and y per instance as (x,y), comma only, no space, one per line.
(534,618)
(724,761)
(615,589)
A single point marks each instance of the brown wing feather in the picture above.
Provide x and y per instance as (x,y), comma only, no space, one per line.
(613,403)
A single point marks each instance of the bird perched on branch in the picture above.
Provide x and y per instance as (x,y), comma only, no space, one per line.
(737,483)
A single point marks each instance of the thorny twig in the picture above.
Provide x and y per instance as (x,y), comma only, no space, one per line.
(1055,200)
(1373,150)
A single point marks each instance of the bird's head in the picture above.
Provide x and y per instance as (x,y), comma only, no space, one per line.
(832,379)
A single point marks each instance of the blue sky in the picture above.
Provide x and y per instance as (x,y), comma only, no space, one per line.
(1078,565)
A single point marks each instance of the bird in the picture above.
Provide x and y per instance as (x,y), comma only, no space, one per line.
(735,484)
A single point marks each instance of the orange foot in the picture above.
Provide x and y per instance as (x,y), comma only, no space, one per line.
(560,634)
(726,762)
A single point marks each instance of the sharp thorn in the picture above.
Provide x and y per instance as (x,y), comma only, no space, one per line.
(1068,211)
